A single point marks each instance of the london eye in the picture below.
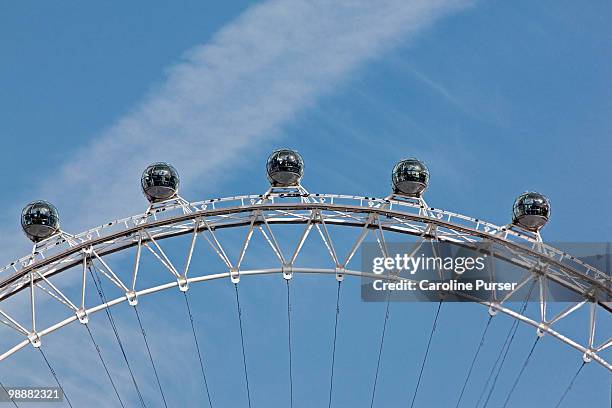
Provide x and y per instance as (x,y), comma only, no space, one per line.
(75,279)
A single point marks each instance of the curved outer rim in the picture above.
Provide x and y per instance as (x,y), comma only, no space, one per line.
(303,206)
(226,275)
(488,229)
(385,211)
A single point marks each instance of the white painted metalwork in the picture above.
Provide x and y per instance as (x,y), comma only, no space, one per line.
(295,206)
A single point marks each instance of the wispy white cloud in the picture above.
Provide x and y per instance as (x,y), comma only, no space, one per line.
(225,97)
(437,87)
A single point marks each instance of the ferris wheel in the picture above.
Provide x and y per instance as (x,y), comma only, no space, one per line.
(42,275)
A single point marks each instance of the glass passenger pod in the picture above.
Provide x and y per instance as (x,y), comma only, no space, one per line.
(531,211)
(40,220)
(285,168)
(159,181)
(410,177)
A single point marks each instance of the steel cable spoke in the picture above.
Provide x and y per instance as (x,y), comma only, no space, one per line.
(469,373)
(501,366)
(98,284)
(570,385)
(494,367)
(108,374)
(246,374)
(333,362)
(195,339)
(7,394)
(380,349)
(503,352)
(289,343)
(523,367)
(433,329)
(42,353)
(146,342)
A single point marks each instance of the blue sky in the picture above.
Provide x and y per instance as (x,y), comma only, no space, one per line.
(497,98)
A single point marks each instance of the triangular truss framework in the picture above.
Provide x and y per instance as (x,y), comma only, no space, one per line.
(312,211)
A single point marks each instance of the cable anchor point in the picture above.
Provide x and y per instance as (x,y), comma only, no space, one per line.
(132,298)
(183,284)
(234,275)
(340,273)
(82,316)
(34,339)
(287,271)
